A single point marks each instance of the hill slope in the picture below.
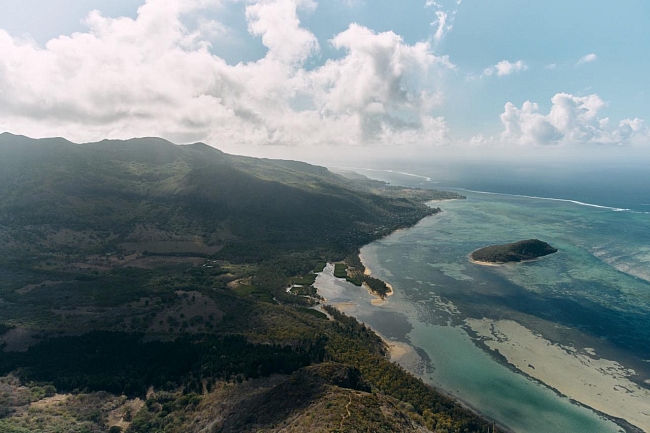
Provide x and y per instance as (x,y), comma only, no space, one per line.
(143,288)
(147,191)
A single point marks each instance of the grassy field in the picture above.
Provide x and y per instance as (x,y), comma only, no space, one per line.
(340,270)
(312,312)
(246,290)
(306,280)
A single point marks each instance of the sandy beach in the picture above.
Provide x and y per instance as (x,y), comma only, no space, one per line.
(599,383)
(379,301)
(482,263)
(478,262)
(402,353)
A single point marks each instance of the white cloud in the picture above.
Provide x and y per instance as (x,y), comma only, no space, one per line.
(505,67)
(153,76)
(633,125)
(551,66)
(382,82)
(441,22)
(587,59)
(276,21)
(444,21)
(432,4)
(571,120)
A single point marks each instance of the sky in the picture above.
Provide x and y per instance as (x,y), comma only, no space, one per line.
(354,78)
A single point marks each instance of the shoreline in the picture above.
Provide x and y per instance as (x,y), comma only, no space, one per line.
(602,368)
(380,300)
(406,356)
(481,263)
(497,264)
(399,352)
(403,353)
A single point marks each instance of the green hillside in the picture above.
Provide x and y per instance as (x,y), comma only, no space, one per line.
(122,191)
(143,289)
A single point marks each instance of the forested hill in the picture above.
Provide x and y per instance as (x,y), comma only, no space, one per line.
(151,195)
(149,287)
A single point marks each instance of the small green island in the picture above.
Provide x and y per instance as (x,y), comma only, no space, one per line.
(515,252)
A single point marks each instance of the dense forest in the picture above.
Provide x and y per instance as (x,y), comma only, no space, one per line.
(143,288)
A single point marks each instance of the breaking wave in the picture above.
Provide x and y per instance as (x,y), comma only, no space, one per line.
(580,203)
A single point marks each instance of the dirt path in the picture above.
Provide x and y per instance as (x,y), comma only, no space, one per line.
(348,415)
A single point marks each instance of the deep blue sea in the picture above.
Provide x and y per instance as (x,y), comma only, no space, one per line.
(616,185)
(591,300)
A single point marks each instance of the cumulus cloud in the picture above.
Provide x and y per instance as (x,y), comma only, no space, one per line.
(152,75)
(277,23)
(505,67)
(571,120)
(587,59)
(382,82)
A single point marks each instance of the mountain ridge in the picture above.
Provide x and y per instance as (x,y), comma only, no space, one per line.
(118,254)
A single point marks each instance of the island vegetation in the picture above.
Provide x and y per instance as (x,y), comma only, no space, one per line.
(515,252)
(353,270)
(143,288)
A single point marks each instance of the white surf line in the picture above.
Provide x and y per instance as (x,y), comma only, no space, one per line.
(615,209)
(428,179)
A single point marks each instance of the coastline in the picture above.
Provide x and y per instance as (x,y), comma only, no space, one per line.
(497,264)
(517,366)
(380,300)
(406,355)
(484,263)
(399,352)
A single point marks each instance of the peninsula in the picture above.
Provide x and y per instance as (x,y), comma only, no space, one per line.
(515,252)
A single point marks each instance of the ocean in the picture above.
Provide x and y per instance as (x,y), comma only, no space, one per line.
(561,344)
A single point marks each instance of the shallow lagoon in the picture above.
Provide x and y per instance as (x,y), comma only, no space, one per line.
(585,296)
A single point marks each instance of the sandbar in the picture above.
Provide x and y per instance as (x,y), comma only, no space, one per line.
(478,262)
(598,383)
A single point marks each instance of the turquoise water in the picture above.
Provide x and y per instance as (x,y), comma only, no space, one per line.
(593,293)
(470,374)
